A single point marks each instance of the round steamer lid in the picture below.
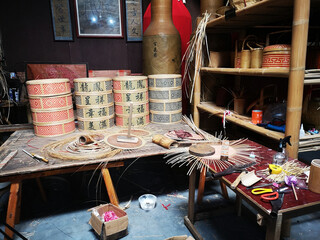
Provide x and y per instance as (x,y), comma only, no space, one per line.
(164,76)
(201,150)
(277,47)
(130,78)
(92,79)
(47,81)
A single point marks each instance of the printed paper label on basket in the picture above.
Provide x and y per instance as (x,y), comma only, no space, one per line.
(130,84)
(136,121)
(95,112)
(46,88)
(131,97)
(99,86)
(165,94)
(136,108)
(98,99)
(51,102)
(165,82)
(93,125)
(54,130)
(53,116)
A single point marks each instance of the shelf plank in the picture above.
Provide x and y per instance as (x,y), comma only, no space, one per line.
(261,13)
(259,72)
(240,120)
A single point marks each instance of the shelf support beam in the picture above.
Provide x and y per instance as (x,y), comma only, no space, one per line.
(300,26)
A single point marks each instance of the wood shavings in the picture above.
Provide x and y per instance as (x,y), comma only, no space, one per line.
(72,149)
(290,168)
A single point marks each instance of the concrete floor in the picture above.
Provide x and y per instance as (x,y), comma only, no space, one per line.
(64,215)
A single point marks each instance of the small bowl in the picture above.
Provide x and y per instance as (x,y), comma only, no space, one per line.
(147,201)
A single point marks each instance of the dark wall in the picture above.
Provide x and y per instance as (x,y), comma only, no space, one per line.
(27,34)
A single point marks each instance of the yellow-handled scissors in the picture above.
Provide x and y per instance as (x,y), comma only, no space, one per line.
(258,191)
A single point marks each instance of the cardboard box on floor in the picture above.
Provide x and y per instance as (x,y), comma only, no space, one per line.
(184,237)
(111,230)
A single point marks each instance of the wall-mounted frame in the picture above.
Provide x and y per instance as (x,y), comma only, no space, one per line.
(99,18)
(134,20)
(61,20)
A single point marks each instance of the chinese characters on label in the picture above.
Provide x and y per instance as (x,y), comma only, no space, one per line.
(134,20)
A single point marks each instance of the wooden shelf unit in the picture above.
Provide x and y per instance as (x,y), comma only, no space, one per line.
(242,121)
(257,72)
(264,13)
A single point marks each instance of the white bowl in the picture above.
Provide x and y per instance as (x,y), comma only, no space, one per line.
(147,201)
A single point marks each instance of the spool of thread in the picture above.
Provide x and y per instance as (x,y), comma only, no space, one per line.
(314,178)
(256,116)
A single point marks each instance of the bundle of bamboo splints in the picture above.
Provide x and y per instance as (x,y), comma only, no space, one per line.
(290,168)
(80,147)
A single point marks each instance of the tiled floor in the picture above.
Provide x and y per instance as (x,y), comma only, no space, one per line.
(65,215)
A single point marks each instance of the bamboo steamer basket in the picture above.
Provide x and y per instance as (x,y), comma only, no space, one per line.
(42,103)
(165,117)
(240,4)
(94,98)
(131,96)
(93,84)
(164,80)
(165,106)
(95,124)
(52,115)
(54,129)
(130,83)
(276,56)
(95,111)
(122,120)
(165,94)
(48,87)
(122,108)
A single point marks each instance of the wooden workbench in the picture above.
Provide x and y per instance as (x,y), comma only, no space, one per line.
(307,202)
(23,167)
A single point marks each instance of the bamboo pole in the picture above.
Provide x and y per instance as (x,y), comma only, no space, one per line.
(300,26)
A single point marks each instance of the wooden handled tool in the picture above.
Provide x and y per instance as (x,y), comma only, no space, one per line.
(128,138)
(237,181)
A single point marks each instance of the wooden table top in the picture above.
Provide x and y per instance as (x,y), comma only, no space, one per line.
(306,198)
(22,164)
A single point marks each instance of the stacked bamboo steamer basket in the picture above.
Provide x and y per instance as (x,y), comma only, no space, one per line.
(51,106)
(94,102)
(165,98)
(131,89)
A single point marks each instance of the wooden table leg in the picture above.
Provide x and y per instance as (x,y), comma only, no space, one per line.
(274,228)
(224,190)
(13,203)
(202,182)
(238,205)
(110,188)
(189,220)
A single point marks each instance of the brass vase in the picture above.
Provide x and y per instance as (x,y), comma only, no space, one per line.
(161,41)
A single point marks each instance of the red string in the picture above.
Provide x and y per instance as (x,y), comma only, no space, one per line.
(31,145)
